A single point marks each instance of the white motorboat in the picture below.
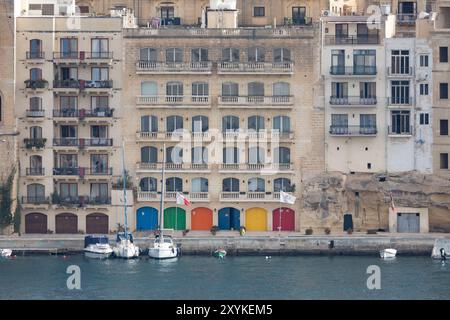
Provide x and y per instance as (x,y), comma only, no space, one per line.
(125,248)
(388,253)
(163,248)
(97,247)
(5,253)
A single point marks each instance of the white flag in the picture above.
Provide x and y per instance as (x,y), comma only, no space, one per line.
(182,200)
(287,198)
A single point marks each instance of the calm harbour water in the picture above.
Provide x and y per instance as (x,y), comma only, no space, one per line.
(195,277)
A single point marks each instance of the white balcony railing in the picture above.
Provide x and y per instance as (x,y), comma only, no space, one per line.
(257,100)
(256,67)
(173,67)
(172,100)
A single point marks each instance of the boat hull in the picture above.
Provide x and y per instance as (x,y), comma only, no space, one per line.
(5,253)
(388,253)
(98,251)
(126,250)
(163,253)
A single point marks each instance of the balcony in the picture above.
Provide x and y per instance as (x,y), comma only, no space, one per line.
(65,142)
(400,101)
(38,171)
(70,201)
(400,132)
(35,57)
(353,101)
(255,167)
(353,71)
(98,201)
(173,167)
(96,57)
(96,142)
(68,171)
(400,72)
(96,85)
(171,101)
(159,136)
(65,113)
(35,143)
(275,68)
(199,196)
(35,113)
(36,85)
(406,18)
(150,67)
(34,200)
(353,130)
(66,85)
(251,196)
(352,40)
(256,101)
(148,196)
(99,171)
(66,57)
(97,113)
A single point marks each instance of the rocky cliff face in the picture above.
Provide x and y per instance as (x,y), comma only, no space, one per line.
(326,197)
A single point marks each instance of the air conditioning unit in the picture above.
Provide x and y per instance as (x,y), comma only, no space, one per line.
(325,13)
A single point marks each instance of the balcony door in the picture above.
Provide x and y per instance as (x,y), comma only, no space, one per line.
(400,121)
(338,61)
(400,62)
(299,15)
(69,48)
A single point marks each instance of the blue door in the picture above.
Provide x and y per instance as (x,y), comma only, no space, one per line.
(229,219)
(146,219)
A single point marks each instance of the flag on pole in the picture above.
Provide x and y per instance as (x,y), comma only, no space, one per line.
(392,202)
(182,200)
(287,198)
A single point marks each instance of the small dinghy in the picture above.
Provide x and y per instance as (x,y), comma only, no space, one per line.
(220,253)
(388,253)
(5,253)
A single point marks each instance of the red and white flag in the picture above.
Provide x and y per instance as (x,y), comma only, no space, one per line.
(182,200)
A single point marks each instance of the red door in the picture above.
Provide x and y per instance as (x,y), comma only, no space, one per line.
(201,219)
(287,219)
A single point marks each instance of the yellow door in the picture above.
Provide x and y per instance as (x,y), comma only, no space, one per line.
(256,219)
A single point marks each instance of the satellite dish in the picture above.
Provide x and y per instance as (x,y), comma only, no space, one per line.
(423,15)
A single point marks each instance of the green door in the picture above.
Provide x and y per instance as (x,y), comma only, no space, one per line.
(175,218)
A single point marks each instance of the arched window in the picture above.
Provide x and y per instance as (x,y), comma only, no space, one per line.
(256,185)
(256,155)
(281,184)
(174,123)
(282,89)
(255,123)
(230,124)
(199,155)
(174,155)
(174,184)
(256,54)
(148,184)
(174,55)
(230,185)
(230,89)
(256,89)
(35,132)
(282,124)
(199,185)
(149,124)
(149,155)
(200,89)
(174,88)
(230,55)
(149,88)
(35,74)
(281,55)
(35,49)
(35,103)
(282,155)
(230,155)
(35,193)
(200,124)
(148,55)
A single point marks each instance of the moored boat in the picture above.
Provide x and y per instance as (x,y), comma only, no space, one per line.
(97,247)
(125,247)
(5,253)
(220,253)
(388,253)
(163,248)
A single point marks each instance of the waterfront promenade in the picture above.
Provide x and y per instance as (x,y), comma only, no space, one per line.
(253,243)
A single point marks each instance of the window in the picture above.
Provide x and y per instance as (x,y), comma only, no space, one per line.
(100,48)
(400,92)
(174,55)
(68,73)
(200,89)
(230,123)
(99,103)
(231,155)
(149,124)
(148,184)
(199,55)
(68,161)
(339,90)
(199,155)
(423,60)
(255,123)
(99,131)
(282,124)
(167,12)
(281,184)
(200,124)
(230,89)
(100,74)
(364,62)
(443,90)
(256,185)
(338,61)
(230,55)
(230,185)
(68,131)
(35,193)
(69,48)
(368,90)
(256,155)
(341,30)
(148,55)
(68,191)
(35,132)
(259,11)
(255,89)
(99,163)
(256,54)
(36,163)
(149,155)
(443,54)
(149,88)
(174,89)
(174,155)
(444,160)
(35,103)
(400,121)
(424,119)
(281,55)
(48,9)
(281,89)
(443,127)
(99,193)
(35,74)
(35,49)
(199,185)
(339,123)
(174,184)
(367,122)
(299,15)
(423,89)
(68,104)
(400,61)
(174,123)
(282,155)
(84,9)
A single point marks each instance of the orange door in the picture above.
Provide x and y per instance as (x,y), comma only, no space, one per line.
(201,219)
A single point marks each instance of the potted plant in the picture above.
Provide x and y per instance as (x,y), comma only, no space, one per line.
(214,230)
(309,231)
(242,231)
(349,231)
(327,230)
(185,232)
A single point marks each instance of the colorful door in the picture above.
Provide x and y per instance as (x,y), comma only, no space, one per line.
(256,219)
(35,223)
(97,223)
(287,219)
(229,219)
(201,219)
(146,219)
(175,218)
(66,223)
